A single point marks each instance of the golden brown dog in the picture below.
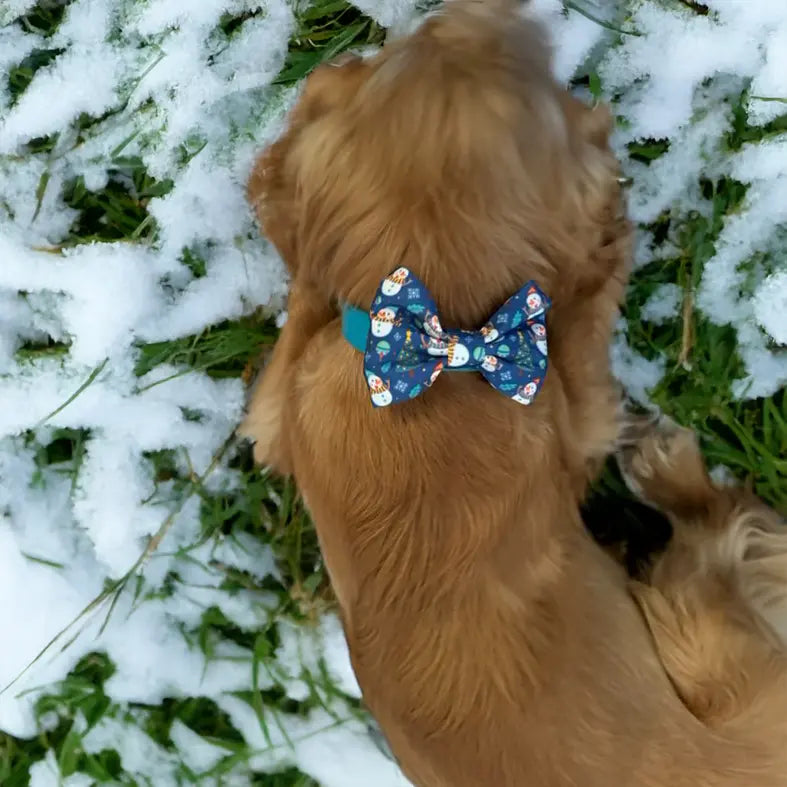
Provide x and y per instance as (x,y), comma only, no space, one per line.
(716,600)
(495,643)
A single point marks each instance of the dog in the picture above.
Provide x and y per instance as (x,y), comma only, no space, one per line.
(495,643)
(715,601)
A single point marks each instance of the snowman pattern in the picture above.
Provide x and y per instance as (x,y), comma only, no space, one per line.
(436,373)
(490,363)
(383,321)
(490,333)
(458,354)
(534,304)
(539,332)
(394,282)
(434,346)
(526,393)
(380,391)
(432,326)
(509,351)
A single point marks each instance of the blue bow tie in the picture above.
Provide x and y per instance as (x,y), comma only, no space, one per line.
(406,348)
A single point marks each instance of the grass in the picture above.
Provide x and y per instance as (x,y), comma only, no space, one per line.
(261,507)
(702,361)
(229,349)
(323,30)
(749,437)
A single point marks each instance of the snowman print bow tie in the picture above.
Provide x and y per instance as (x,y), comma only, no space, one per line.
(407,347)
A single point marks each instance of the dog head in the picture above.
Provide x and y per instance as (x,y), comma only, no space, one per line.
(452,152)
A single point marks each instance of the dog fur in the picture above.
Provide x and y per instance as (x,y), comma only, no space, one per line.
(494,642)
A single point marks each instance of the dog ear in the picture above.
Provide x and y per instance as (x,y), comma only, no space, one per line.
(270,408)
(599,169)
(272,188)
(597,193)
(330,85)
(596,125)
(593,124)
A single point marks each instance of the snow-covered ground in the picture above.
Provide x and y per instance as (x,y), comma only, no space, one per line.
(194,105)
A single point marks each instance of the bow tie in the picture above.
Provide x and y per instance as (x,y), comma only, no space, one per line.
(406,348)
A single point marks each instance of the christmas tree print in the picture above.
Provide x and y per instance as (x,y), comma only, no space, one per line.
(408,353)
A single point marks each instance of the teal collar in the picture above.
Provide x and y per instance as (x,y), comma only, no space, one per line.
(355,326)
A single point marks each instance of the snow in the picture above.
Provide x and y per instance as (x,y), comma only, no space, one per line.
(11,9)
(41,109)
(687,98)
(639,374)
(163,84)
(139,754)
(337,658)
(334,749)
(194,749)
(389,13)
(102,300)
(770,306)
(46,773)
(663,304)
(574,36)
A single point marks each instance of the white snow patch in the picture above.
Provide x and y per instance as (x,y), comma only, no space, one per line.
(46,773)
(770,306)
(663,304)
(333,748)
(41,110)
(337,656)
(140,755)
(639,375)
(201,755)
(574,35)
(11,9)
(389,13)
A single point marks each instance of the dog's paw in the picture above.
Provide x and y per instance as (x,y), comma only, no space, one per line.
(261,428)
(633,426)
(661,463)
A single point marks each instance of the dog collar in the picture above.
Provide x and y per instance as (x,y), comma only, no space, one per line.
(355,326)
